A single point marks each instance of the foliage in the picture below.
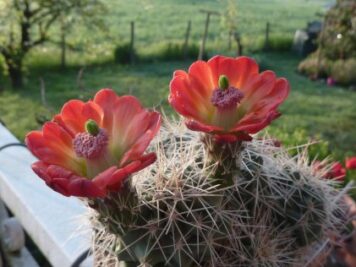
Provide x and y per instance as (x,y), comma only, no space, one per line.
(122,53)
(277,43)
(26,24)
(336,53)
(344,71)
(229,19)
(312,65)
(175,51)
(338,39)
(300,140)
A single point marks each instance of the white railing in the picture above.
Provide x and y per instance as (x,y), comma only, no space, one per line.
(55,223)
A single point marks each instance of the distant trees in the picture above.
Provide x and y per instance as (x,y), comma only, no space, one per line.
(335,57)
(230,20)
(25,24)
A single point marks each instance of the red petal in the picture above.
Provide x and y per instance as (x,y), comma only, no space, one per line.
(197,126)
(139,135)
(81,187)
(136,166)
(75,114)
(252,124)
(40,169)
(66,182)
(133,128)
(231,138)
(107,99)
(53,146)
(112,178)
(259,86)
(200,80)
(263,111)
(351,163)
(190,93)
(59,185)
(238,70)
(337,172)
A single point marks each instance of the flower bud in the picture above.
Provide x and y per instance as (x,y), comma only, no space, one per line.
(223,82)
(92,127)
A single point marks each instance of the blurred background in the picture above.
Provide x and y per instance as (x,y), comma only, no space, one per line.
(52,51)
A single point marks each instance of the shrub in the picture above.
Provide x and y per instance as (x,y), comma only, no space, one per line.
(309,66)
(318,148)
(122,54)
(338,40)
(344,71)
(175,51)
(278,43)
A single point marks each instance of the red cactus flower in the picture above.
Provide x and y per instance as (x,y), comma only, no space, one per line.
(335,172)
(227,97)
(330,81)
(351,163)
(91,148)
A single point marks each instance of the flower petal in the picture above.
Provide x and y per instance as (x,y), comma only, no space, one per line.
(107,99)
(139,134)
(191,93)
(66,182)
(76,113)
(238,70)
(54,146)
(351,163)
(130,123)
(113,178)
(201,127)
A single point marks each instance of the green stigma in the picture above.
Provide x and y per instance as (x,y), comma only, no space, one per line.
(92,127)
(223,82)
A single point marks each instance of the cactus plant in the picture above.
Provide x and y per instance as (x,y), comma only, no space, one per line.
(218,198)
(181,211)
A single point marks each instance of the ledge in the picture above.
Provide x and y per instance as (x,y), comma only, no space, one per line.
(55,223)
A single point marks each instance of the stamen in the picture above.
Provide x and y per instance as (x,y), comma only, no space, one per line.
(226,99)
(90,146)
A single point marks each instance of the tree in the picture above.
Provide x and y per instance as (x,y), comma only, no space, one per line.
(25,24)
(229,20)
(338,38)
(90,13)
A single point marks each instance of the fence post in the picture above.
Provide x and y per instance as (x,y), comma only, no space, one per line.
(229,40)
(238,44)
(205,35)
(202,46)
(132,43)
(43,92)
(63,44)
(186,40)
(266,45)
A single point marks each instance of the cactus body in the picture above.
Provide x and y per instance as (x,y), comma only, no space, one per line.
(208,204)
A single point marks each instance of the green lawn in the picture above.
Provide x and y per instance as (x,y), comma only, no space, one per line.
(312,110)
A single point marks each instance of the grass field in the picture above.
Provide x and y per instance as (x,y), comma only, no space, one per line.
(312,110)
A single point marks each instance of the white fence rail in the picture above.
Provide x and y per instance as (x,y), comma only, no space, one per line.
(55,223)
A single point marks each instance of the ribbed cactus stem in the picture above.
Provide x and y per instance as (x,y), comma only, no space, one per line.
(118,207)
(226,156)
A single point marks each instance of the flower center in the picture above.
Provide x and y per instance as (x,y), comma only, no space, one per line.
(91,144)
(226,97)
